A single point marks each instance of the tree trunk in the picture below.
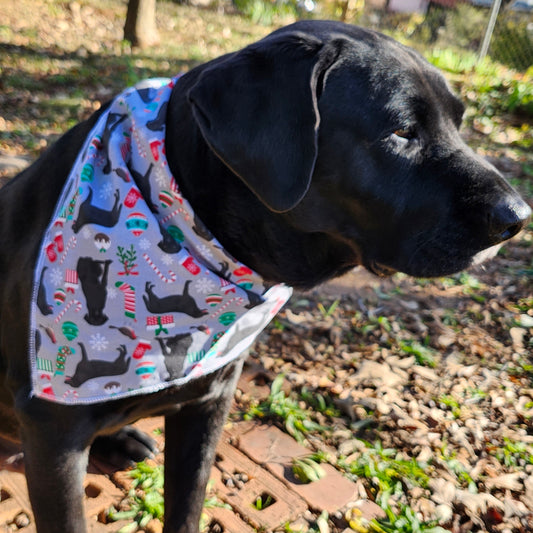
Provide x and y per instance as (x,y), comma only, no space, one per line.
(140,27)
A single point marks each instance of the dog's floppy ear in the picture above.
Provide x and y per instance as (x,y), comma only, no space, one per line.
(258,112)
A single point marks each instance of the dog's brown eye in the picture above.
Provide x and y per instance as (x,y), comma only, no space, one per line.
(404,134)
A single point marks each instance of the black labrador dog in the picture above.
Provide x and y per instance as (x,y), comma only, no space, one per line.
(321,147)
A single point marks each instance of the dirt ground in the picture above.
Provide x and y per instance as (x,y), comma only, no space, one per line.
(436,374)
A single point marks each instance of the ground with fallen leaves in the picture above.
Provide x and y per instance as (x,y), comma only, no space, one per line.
(421,390)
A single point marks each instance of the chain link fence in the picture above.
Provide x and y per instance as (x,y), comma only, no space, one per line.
(465,25)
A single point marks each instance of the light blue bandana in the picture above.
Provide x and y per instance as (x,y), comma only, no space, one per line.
(132,294)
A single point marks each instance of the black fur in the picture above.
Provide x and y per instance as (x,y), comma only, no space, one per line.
(321,147)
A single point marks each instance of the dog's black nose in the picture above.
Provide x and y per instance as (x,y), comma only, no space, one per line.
(507,218)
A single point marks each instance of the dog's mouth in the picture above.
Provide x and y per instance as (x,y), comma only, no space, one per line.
(438,269)
(486,254)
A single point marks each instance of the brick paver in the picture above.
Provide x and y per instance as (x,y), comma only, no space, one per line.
(285,506)
(270,447)
(228,520)
(262,453)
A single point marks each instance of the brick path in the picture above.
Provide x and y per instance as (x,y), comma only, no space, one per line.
(263,453)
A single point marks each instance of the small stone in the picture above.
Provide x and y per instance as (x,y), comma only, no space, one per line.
(442,491)
(426,453)
(446,339)
(379,374)
(154,526)
(366,509)
(382,407)
(467,371)
(425,373)
(526,321)
(443,513)
(517,336)
(401,362)
(22,520)
(350,446)
(426,507)
(324,382)
(337,389)
(410,305)
(416,492)
(511,481)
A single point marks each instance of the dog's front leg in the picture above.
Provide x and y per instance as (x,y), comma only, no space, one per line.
(191,437)
(55,463)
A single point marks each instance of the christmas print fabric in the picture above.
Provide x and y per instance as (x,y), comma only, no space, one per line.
(132,293)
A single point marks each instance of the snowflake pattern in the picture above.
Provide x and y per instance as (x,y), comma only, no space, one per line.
(204,286)
(98,342)
(106,191)
(56,276)
(112,293)
(120,282)
(161,178)
(205,251)
(167,260)
(144,244)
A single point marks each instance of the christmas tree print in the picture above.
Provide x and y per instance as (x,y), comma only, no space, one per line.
(127,258)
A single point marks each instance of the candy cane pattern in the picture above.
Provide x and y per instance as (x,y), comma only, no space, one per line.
(175,190)
(78,305)
(140,147)
(70,393)
(70,244)
(174,213)
(238,300)
(162,277)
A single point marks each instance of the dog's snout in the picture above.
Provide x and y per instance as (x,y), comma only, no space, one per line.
(508,217)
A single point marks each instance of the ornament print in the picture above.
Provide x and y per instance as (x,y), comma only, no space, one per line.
(132,290)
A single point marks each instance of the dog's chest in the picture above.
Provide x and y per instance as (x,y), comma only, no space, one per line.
(131,293)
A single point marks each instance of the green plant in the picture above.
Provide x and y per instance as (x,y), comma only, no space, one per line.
(386,467)
(459,469)
(424,355)
(521,367)
(319,402)
(263,501)
(330,310)
(210,503)
(390,474)
(514,453)
(308,469)
(449,317)
(376,323)
(405,520)
(450,402)
(266,11)
(145,498)
(297,420)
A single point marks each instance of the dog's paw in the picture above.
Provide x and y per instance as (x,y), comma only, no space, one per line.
(124,448)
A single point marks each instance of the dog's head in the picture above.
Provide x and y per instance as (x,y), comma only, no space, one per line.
(347,133)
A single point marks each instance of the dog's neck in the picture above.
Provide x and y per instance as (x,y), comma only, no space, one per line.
(268,242)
